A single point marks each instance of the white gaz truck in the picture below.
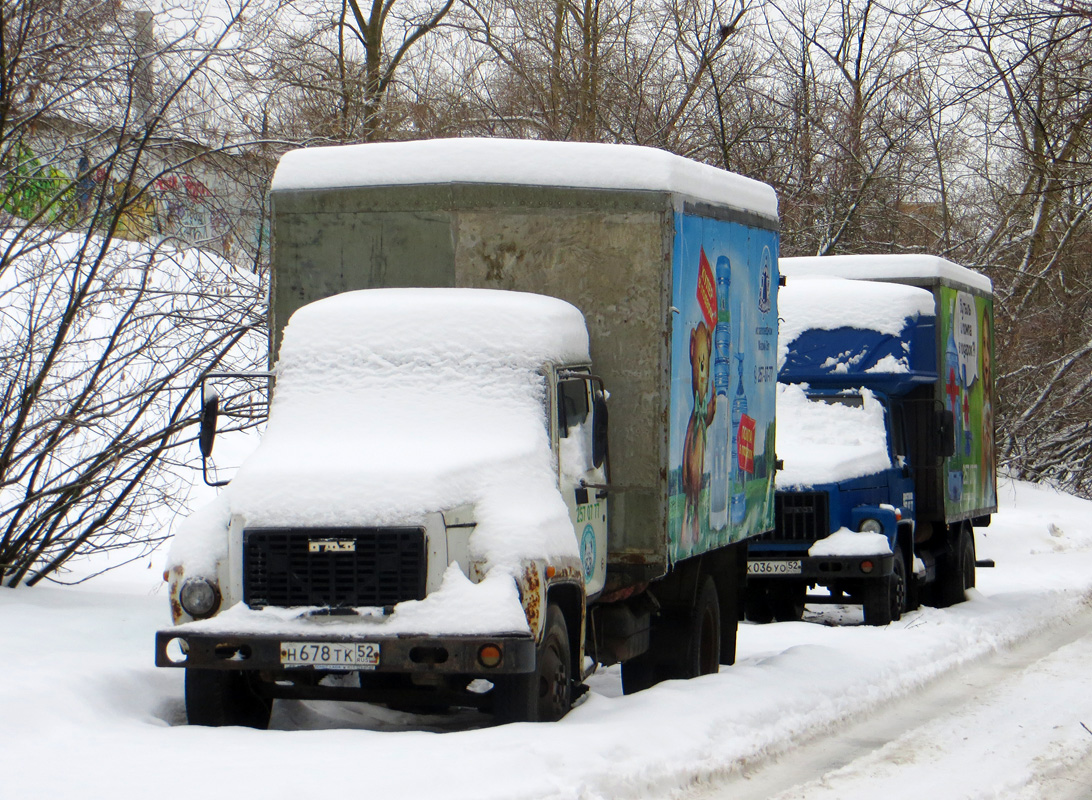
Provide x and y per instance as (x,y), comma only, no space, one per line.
(439,513)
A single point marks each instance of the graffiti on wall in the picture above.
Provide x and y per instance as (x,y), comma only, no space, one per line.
(33,190)
(181,206)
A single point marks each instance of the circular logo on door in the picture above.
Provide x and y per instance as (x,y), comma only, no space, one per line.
(765,281)
(587,551)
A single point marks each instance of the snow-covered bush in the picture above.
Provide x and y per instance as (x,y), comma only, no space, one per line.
(101,343)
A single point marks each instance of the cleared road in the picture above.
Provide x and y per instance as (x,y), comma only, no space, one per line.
(1016,725)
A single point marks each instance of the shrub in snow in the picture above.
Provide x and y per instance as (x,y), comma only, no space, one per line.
(101,342)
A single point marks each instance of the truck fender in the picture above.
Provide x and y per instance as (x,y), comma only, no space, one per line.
(537,582)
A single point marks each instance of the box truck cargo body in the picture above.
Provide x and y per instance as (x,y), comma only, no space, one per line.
(596,278)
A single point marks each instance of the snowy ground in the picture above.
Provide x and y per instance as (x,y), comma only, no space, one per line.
(86,714)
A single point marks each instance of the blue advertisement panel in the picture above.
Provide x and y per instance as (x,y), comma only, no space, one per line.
(723,374)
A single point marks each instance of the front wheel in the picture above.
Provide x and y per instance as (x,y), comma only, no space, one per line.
(217,697)
(885,599)
(544,695)
(757,607)
(787,601)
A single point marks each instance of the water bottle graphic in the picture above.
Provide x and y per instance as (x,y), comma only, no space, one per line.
(739,408)
(719,436)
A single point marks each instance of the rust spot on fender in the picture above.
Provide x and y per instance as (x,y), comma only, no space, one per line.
(174,577)
(569,573)
(532,595)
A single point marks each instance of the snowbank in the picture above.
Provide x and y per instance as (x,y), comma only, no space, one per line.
(84,707)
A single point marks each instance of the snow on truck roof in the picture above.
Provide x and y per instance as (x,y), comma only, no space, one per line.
(572,165)
(914,266)
(515,328)
(816,302)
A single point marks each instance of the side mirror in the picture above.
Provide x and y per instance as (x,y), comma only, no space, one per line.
(599,429)
(210,411)
(946,431)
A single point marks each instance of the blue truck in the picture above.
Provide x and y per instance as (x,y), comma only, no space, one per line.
(885,437)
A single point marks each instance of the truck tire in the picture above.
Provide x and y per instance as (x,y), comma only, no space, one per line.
(731,585)
(956,570)
(900,601)
(885,599)
(757,607)
(639,674)
(700,650)
(683,644)
(787,601)
(218,697)
(544,695)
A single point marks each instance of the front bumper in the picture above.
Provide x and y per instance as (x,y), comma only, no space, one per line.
(817,569)
(400,654)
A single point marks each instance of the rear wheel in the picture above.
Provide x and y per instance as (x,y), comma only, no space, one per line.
(638,673)
(544,695)
(217,697)
(682,645)
(700,653)
(956,570)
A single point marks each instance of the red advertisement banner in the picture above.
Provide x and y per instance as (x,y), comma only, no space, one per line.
(746,439)
(707,290)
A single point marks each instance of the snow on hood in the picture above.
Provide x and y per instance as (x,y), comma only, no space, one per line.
(822,303)
(828,442)
(517,162)
(394,403)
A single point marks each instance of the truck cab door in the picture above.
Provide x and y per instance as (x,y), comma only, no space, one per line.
(579,421)
(900,458)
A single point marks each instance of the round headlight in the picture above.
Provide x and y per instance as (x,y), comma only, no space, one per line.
(870,526)
(199,598)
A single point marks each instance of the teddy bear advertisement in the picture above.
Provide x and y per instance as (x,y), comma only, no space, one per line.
(723,367)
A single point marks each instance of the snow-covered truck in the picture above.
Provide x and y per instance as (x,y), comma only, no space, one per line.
(438,514)
(886,433)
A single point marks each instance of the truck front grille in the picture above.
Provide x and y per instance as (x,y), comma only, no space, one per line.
(799,517)
(339,567)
